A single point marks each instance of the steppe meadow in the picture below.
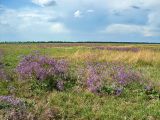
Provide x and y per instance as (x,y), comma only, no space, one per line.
(45,81)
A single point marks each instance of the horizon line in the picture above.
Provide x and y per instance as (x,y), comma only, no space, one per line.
(3,42)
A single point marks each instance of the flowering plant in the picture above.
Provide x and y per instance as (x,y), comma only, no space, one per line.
(42,68)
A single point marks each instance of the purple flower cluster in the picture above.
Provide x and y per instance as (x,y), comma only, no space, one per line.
(118,91)
(40,67)
(93,79)
(60,85)
(124,75)
(11,100)
(104,75)
(132,49)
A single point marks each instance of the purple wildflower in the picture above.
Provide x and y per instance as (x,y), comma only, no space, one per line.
(148,88)
(118,91)
(11,100)
(132,49)
(98,75)
(41,67)
(60,85)
(93,80)
(124,75)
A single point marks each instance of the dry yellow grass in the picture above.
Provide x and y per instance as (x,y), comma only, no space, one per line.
(146,57)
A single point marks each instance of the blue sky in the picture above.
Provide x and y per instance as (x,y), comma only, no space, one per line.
(80,20)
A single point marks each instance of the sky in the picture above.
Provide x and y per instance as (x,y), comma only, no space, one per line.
(80,20)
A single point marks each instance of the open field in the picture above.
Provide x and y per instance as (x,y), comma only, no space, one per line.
(80,81)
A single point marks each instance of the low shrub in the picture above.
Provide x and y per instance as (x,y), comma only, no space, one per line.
(52,73)
(110,78)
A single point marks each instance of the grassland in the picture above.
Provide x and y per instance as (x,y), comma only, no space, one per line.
(77,102)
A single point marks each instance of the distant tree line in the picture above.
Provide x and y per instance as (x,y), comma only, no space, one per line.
(27,42)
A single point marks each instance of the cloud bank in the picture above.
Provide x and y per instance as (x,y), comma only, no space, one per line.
(44,3)
(79,20)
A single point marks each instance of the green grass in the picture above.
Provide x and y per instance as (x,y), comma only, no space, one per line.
(78,103)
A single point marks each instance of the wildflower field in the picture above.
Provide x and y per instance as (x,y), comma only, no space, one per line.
(79,81)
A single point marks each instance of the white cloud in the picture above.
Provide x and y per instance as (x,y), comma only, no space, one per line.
(59,28)
(151,26)
(130,29)
(123,28)
(44,3)
(78,14)
(151,31)
(90,11)
(111,5)
(30,21)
